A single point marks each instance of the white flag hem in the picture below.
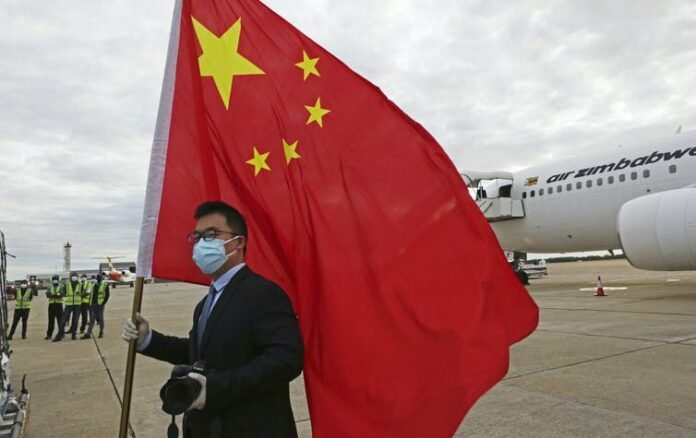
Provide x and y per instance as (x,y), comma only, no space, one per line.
(158,156)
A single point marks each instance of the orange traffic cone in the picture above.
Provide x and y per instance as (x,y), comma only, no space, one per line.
(600,288)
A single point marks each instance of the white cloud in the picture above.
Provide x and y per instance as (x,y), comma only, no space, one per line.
(499,84)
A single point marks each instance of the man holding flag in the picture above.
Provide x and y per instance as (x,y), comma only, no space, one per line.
(405,300)
(245,332)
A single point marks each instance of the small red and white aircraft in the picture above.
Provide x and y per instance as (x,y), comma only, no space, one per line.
(115,277)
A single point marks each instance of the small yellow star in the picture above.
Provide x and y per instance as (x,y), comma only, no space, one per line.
(290,152)
(259,161)
(316,113)
(308,65)
(220,58)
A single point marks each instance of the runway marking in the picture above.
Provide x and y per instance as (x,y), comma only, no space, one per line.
(620,311)
(113,383)
(672,280)
(682,342)
(660,344)
(596,359)
(623,338)
(645,418)
(593,289)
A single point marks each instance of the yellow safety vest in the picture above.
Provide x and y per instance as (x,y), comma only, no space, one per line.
(58,299)
(72,297)
(101,292)
(23,299)
(87,287)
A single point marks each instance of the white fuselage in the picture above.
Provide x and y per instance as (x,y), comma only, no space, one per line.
(585,218)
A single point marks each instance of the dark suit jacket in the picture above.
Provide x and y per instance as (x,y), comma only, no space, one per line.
(253,349)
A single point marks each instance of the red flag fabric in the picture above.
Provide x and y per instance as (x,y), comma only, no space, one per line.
(406,302)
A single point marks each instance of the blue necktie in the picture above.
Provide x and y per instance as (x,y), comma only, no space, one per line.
(205,313)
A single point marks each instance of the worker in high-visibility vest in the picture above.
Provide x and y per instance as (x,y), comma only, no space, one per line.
(54,293)
(100,295)
(87,286)
(72,300)
(22,307)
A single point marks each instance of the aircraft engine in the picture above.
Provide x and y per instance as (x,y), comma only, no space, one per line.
(658,232)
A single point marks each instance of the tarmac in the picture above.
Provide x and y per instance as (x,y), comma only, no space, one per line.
(623,365)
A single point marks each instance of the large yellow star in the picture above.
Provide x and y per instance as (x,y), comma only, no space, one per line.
(220,58)
(308,65)
(259,161)
(316,113)
(290,151)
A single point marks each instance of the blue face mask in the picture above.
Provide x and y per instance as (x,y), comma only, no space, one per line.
(210,255)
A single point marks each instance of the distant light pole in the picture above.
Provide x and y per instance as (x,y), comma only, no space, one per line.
(66,257)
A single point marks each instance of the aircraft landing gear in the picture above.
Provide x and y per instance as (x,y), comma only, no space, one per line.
(518,266)
(524,278)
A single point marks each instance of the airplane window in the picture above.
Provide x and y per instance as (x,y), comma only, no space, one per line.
(531,193)
(569,187)
(622,177)
(599,181)
(524,195)
(541,192)
(673,168)
(550,190)
(588,183)
(610,180)
(559,189)
(634,175)
(578,185)
(646,173)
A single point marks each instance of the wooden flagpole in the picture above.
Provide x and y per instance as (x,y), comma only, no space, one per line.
(152,202)
(130,363)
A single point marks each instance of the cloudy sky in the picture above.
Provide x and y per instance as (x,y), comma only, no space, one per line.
(501,85)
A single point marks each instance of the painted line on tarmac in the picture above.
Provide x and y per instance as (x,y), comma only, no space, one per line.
(582,362)
(634,312)
(648,419)
(661,344)
(684,341)
(594,335)
(113,383)
(594,289)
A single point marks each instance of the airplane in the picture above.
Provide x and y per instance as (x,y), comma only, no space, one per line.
(115,277)
(640,199)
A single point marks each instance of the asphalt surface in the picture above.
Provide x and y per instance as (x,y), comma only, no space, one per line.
(623,365)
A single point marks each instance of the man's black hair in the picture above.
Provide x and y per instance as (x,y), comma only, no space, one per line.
(234,218)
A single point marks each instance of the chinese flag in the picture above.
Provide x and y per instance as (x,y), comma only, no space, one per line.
(406,303)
